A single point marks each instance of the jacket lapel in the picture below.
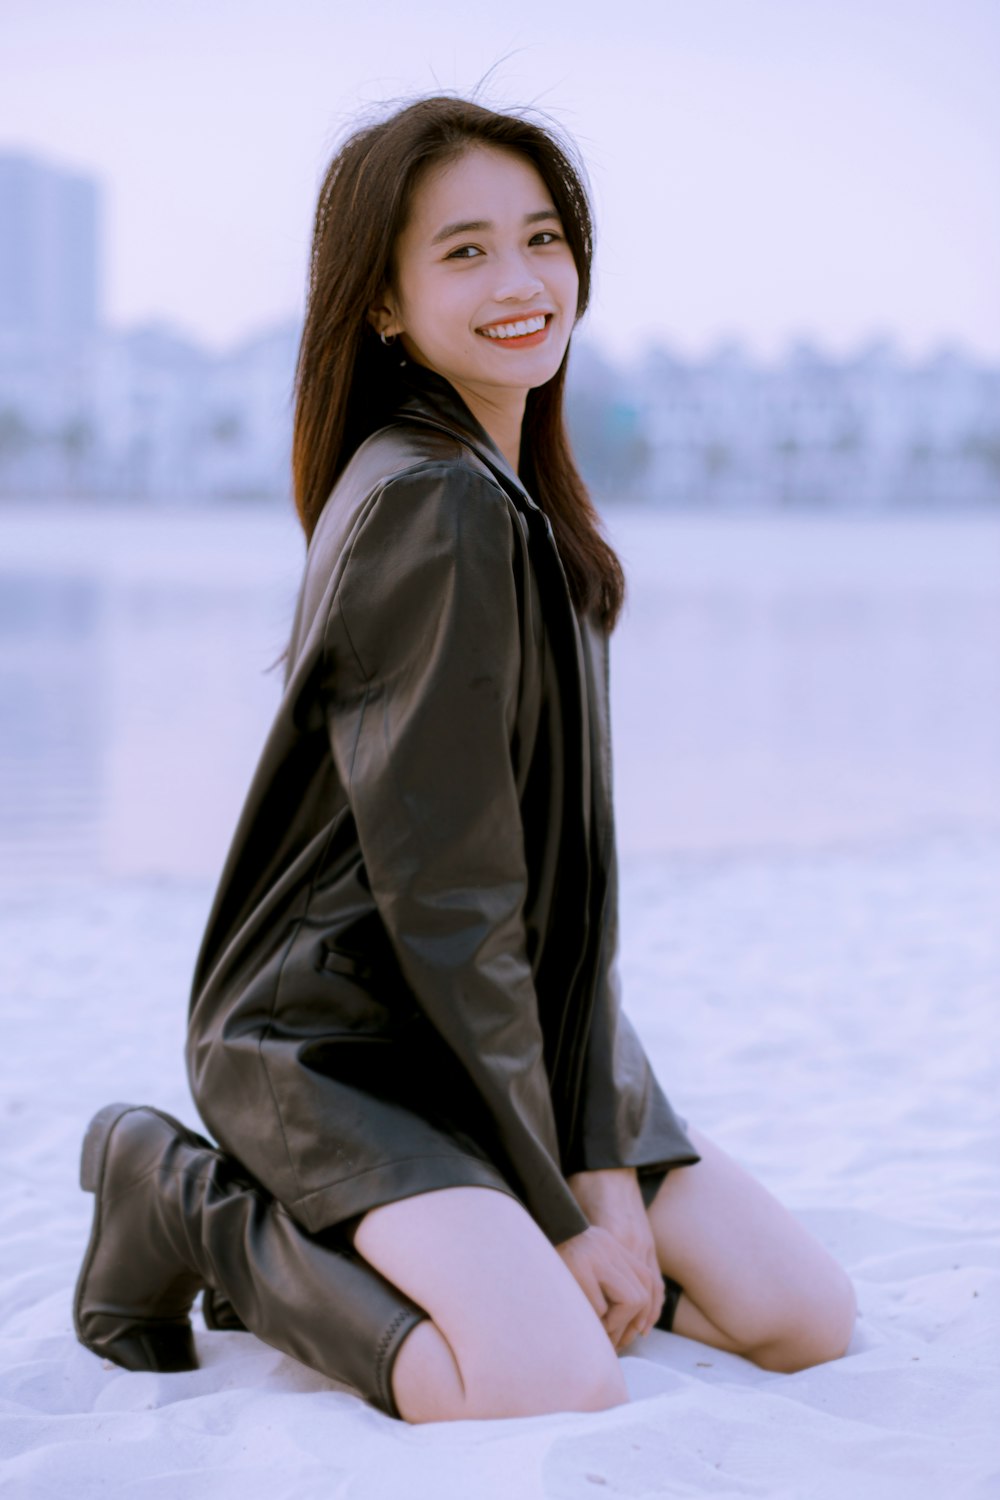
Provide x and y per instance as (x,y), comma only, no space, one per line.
(580,652)
(431,396)
(433,401)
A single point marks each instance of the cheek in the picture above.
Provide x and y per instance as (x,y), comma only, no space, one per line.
(566,280)
(459,317)
(441,309)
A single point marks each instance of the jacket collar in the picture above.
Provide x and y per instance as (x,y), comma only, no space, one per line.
(430,397)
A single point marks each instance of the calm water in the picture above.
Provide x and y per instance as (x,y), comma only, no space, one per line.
(776,682)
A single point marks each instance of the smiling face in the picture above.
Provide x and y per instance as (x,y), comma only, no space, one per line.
(483,248)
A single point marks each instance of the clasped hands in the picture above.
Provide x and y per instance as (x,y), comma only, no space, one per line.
(614,1260)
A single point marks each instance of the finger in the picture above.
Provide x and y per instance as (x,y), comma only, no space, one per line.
(637,1276)
(640,1325)
(636,1329)
(654,1280)
(626,1281)
(659,1303)
(646,1266)
(633,1328)
(620,1336)
(652,1284)
(628,1285)
(617,1319)
(657,1300)
(650,1310)
(623,1316)
(595,1296)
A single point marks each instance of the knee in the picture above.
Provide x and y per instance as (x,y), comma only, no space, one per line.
(821,1334)
(429,1383)
(608,1389)
(836,1326)
(426,1381)
(842,1328)
(537,1391)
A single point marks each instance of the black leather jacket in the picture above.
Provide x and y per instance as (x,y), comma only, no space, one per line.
(408,978)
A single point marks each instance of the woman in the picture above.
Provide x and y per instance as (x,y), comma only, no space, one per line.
(444,1169)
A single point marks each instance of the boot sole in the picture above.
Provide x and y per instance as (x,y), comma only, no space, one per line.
(93,1158)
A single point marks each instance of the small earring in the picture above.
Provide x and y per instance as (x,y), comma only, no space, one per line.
(390,340)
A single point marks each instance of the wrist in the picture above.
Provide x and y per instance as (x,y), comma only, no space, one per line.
(603,1185)
(604,1174)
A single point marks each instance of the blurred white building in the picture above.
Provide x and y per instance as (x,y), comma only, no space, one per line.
(147,415)
(50,253)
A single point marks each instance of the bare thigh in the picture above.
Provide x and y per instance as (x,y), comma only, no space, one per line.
(755,1280)
(523,1336)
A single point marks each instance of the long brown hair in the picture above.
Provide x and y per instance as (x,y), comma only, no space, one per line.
(345,378)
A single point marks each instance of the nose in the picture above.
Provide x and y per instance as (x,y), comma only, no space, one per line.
(517,280)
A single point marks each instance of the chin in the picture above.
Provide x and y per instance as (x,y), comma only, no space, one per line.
(524,370)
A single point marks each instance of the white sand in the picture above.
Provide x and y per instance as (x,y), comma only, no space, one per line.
(834,1029)
(825,1009)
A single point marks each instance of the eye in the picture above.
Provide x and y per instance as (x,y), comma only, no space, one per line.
(459,254)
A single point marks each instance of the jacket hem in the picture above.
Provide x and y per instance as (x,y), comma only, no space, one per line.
(387,1183)
(597,1163)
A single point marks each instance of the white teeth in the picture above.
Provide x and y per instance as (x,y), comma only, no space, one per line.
(515,330)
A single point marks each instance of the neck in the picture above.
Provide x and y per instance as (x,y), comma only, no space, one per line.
(502,418)
(498,409)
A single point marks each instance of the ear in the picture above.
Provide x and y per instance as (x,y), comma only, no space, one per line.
(382,317)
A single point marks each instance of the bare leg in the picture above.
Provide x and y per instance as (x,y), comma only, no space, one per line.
(756,1282)
(510,1332)
(426,1380)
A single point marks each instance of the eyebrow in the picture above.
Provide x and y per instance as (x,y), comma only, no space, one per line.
(471,226)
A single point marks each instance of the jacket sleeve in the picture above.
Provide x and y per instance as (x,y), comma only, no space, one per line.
(424,640)
(625,1119)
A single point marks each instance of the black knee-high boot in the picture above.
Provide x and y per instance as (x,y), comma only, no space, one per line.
(173,1215)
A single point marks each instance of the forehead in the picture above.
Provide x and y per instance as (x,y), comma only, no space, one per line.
(482,183)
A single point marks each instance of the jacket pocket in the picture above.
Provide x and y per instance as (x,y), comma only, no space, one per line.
(365,996)
(355,965)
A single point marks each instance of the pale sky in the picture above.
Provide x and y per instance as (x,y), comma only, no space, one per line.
(760,169)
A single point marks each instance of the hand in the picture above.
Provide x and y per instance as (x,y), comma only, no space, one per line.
(612,1200)
(613,1280)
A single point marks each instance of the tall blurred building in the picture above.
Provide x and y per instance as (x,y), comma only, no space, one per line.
(50,250)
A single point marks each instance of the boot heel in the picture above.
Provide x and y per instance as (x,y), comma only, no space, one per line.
(94,1142)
